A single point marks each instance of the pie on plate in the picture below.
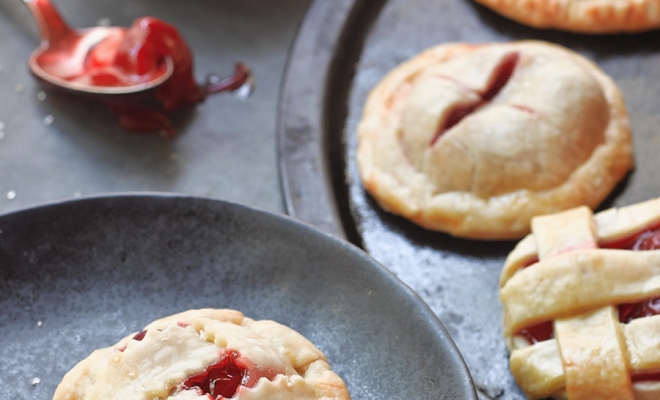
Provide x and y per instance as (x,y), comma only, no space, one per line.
(582,16)
(206,354)
(475,140)
(581,305)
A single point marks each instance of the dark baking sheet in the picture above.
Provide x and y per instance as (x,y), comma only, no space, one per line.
(79,275)
(342,50)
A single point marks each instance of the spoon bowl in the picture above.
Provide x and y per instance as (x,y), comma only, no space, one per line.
(62,58)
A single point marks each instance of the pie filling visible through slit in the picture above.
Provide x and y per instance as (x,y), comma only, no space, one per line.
(475,140)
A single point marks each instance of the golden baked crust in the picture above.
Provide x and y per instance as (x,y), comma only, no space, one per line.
(577,283)
(184,345)
(583,16)
(475,140)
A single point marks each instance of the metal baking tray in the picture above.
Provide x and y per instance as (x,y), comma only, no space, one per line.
(343,49)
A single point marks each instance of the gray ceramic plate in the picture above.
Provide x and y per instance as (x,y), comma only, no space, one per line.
(81,274)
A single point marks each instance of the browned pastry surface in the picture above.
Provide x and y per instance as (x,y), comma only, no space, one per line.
(583,16)
(166,360)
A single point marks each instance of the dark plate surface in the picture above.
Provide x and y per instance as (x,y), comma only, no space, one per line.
(342,51)
(79,275)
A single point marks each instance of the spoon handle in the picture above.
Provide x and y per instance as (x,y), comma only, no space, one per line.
(51,24)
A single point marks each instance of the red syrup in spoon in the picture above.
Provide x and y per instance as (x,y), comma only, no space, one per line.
(113,59)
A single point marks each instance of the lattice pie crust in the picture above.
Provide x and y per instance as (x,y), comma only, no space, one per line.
(577,281)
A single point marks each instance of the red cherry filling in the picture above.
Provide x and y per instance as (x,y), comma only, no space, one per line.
(501,76)
(224,378)
(140,335)
(647,240)
(538,333)
(646,376)
(648,308)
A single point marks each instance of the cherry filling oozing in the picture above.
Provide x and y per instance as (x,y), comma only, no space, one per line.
(647,240)
(501,76)
(224,378)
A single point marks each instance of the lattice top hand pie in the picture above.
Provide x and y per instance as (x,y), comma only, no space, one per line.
(206,355)
(581,298)
(475,140)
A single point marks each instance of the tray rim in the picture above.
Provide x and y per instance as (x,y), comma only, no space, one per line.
(302,118)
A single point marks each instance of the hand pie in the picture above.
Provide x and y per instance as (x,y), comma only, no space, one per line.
(475,140)
(581,304)
(205,355)
(583,16)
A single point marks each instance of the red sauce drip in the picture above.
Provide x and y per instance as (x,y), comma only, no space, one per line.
(137,55)
(501,76)
(224,379)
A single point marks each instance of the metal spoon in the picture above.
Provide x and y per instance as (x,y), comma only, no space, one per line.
(63,52)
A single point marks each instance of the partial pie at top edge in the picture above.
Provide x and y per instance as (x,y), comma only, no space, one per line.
(581,16)
(475,140)
(581,305)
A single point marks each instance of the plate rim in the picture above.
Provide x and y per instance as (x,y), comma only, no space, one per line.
(391,279)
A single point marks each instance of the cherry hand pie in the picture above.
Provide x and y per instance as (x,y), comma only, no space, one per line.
(205,355)
(475,140)
(581,305)
(583,16)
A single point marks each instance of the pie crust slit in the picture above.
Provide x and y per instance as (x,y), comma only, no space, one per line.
(475,140)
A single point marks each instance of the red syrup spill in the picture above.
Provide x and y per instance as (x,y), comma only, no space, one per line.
(501,76)
(137,55)
(647,240)
(224,379)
